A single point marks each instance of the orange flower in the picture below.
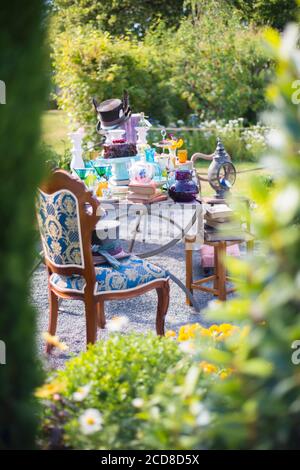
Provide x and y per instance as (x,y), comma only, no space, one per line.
(170,334)
(50,389)
(54,341)
(208,368)
(225,373)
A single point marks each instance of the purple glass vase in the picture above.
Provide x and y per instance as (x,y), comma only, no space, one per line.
(184,189)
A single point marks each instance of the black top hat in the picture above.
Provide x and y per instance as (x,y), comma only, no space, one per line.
(111,113)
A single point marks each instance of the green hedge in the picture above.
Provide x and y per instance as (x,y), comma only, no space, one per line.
(22,68)
(90,63)
(212,66)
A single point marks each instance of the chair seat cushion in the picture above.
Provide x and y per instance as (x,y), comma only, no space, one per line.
(133,272)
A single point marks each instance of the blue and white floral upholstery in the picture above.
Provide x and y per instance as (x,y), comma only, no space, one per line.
(59,227)
(133,272)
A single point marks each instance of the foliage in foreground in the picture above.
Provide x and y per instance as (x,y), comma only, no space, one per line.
(112,377)
(22,70)
(258,406)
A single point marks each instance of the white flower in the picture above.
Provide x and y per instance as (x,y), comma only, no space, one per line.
(137,402)
(196,408)
(187,347)
(117,323)
(90,421)
(289,40)
(203,415)
(82,393)
(286,203)
(155,412)
(275,139)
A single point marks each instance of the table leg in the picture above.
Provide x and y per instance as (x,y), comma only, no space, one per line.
(137,226)
(216,267)
(188,270)
(250,243)
(221,269)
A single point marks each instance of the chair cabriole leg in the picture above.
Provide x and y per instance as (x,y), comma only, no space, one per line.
(53,314)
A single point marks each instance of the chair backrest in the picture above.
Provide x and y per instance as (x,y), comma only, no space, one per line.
(67,215)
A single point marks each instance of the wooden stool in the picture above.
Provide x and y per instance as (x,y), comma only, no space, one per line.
(219,278)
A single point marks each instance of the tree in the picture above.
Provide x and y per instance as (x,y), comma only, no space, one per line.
(217,64)
(275,13)
(117,17)
(22,70)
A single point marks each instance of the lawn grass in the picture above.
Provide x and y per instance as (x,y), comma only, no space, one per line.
(55,133)
(55,130)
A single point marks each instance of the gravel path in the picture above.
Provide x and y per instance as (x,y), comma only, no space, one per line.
(140,311)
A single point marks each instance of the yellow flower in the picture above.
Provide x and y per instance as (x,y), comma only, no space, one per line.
(205,332)
(187,332)
(54,341)
(176,144)
(225,373)
(227,327)
(217,332)
(50,389)
(170,334)
(183,337)
(208,368)
(214,330)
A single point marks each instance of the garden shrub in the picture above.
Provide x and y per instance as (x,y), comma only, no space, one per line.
(90,63)
(275,13)
(242,143)
(121,372)
(123,383)
(118,17)
(22,68)
(218,65)
(210,65)
(56,159)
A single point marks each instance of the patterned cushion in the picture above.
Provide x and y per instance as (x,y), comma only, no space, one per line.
(133,272)
(60,231)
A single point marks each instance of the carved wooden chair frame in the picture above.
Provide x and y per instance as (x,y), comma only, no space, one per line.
(94,302)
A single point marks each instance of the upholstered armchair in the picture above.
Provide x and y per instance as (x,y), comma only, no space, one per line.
(67,215)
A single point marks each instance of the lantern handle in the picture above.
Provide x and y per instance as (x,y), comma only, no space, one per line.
(203,156)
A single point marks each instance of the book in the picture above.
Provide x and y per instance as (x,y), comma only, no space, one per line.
(134,195)
(118,183)
(144,189)
(151,200)
(119,189)
(219,220)
(212,235)
(221,225)
(218,210)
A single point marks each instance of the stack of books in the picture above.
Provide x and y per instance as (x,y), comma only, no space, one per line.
(145,193)
(220,224)
(114,182)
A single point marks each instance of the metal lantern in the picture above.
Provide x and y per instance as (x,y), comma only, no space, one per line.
(221,172)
